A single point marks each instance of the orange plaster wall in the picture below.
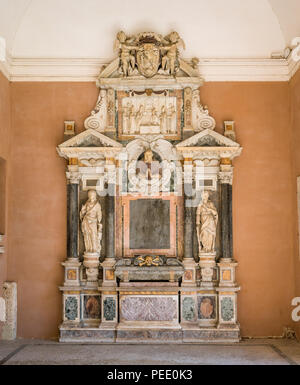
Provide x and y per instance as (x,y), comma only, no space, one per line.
(263,206)
(5,134)
(295,122)
(262,200)
(38,198)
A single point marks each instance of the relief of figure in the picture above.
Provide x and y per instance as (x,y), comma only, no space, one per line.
(169,60)
(132,116)
(196,109)
(127,58)
(206,223)
(171,114)
(139,117)
(91,216)
(163,120)
(126,122)
(154,117)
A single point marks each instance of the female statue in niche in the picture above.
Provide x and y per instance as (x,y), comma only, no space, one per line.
(206,223)
(91,216)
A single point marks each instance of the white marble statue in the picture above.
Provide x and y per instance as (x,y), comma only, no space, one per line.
(127,58)
(169,60)
(91,216)
(206,223)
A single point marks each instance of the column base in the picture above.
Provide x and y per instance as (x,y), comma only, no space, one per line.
(207,264)
(72,274)
(190,272)
(109,277)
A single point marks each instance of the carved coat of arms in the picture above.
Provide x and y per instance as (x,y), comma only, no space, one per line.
(147,53)
(148,59)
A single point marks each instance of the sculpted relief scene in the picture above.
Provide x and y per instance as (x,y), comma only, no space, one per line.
(144,115)
(149,197)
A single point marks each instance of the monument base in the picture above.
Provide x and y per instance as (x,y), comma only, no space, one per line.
(120,335)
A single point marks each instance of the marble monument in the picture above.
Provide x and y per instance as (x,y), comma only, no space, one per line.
(149,214)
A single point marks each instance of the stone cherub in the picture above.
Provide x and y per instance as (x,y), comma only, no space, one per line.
(127,58)
(206,224)
(91,216)
(169,60)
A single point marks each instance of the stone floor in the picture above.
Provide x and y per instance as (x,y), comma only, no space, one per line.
(248,352)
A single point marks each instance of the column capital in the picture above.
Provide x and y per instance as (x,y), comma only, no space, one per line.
(72,174)
(226,177)
(73,177)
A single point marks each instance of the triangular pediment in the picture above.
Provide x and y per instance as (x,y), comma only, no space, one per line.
(90,138)
(208,138)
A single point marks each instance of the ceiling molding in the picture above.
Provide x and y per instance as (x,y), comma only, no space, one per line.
(293,66)
(88,69)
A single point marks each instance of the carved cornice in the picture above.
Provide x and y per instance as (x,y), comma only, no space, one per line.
(209,152)
(221,140)
(157,83)
(87,69)
(87,152)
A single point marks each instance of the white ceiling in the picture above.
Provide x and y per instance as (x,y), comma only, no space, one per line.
(87,28)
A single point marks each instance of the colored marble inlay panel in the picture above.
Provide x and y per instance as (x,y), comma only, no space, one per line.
(109,275)
(188,275)
(71,308)
(226,275)
(109,309)
(188,309)
(206,307)
(91,307)
(227,309)
(148,309)
(71,275)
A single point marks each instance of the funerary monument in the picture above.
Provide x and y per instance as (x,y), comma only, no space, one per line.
(149,213)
